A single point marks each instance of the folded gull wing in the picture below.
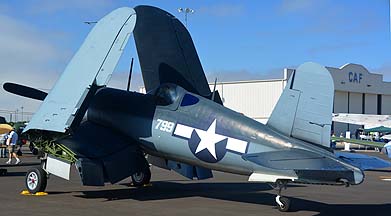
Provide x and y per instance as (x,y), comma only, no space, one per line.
(89,69)
(166,52)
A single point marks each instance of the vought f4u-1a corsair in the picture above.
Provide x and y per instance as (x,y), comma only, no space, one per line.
(179,124)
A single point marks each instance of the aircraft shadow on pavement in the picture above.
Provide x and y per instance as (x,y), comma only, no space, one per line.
(238,192)
(23,164)
(13,174)
(381,171)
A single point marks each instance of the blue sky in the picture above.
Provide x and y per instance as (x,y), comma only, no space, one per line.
(235,40)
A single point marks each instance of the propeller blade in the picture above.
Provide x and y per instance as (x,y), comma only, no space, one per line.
(130,74)
(25,91)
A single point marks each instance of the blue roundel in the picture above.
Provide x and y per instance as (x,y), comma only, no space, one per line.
(204,154)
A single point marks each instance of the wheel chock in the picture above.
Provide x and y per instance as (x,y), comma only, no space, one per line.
(27,193)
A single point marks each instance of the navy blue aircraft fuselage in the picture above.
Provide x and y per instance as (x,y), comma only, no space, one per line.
(194,130)
(111,134)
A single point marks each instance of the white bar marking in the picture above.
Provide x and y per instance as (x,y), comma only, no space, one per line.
(183,131)
(236,145)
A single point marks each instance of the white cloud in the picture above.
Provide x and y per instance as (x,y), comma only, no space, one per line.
(26,58)
(120,80)
(22,45)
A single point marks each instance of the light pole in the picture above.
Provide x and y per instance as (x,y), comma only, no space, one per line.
(22,111)
(186,11)
(16,115)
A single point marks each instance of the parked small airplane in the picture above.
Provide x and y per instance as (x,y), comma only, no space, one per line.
(180,124)
(368,120)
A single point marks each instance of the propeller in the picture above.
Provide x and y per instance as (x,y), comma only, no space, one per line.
(130,74)
(25,91)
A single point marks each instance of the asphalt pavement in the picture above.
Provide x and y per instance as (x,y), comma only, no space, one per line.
(172,194)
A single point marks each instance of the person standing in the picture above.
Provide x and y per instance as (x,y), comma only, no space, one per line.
(11,144)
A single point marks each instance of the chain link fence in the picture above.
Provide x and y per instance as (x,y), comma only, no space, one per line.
(16,115)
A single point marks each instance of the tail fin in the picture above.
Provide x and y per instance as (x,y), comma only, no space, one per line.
(89,69)
(304,110)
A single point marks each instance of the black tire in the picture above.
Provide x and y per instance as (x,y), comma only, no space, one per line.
(141,178)
(36,180)
(286,204)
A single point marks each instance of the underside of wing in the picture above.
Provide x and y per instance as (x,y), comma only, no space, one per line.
(166,52)
(104,155)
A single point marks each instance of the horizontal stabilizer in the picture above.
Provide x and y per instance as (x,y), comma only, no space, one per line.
(304,110)
(293,159)
(25,91)
(90,68)
(364,162)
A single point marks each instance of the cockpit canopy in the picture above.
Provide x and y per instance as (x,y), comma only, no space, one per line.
(166,94)
(169,94)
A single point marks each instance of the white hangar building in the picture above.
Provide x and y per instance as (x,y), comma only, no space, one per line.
(356,91)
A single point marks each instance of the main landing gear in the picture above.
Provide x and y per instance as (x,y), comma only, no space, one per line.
(36,180)
(283,203)
(141,178)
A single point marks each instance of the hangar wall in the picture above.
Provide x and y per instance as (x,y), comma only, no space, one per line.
(356,91)
(255,98)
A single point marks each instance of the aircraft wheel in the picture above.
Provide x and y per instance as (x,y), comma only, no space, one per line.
(36,180)
(141,178)
(283,203)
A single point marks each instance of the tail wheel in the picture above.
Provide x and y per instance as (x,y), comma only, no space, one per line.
(36,180)
(141,178)
(283,204)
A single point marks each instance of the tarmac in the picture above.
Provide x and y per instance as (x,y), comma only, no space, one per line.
(172,194)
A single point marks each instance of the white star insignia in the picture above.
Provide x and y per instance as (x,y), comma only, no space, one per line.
(209,139)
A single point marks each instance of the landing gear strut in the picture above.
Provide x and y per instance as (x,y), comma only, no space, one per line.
(283,203)
(141,178)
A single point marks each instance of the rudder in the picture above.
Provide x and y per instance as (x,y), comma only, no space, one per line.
(304,110)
